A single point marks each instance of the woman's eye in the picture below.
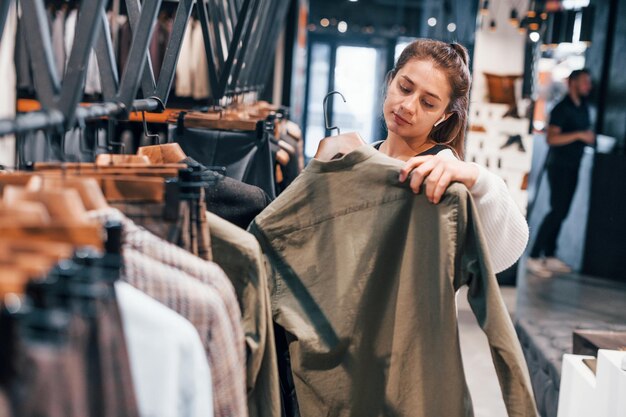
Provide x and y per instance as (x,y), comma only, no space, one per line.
(404,89)
(429,105)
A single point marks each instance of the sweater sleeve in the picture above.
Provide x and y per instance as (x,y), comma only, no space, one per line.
(504,227)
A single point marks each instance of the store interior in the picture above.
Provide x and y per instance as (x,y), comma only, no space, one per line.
(164,242)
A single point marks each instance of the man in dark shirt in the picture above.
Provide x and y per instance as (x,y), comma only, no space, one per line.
(569,132)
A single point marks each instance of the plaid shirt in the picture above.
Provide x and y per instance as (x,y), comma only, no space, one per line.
(169,254)
(161,270)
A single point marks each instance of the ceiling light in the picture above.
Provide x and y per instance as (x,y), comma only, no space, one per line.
(342,27)
(432,22)
(534,36)
(324,22)
(353,1)
(451,27)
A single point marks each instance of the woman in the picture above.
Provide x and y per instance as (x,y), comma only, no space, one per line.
(425,110)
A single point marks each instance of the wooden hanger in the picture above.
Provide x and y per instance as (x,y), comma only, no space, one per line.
(215,121)
(88,189)
(64,205)
(12,280)
(115,159)
(334,147)
(21,260)
(28,212)
(67,222)
(162,154)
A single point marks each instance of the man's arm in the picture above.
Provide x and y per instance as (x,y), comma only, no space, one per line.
(556,138)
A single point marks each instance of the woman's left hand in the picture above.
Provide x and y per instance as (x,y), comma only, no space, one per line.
(437,173)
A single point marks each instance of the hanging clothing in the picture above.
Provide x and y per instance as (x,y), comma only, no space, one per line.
(179,228)
(201,305)
(238,253)
(184,68)
(246,156)
(194,298)
(366,274)
(124,44)
(58,41)
(169,367)
(232,200)
(38,363)
(9,87)
(73,333)
(92,79)
(158,44)
(200,65)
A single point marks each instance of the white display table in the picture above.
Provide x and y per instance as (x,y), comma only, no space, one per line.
(583,394)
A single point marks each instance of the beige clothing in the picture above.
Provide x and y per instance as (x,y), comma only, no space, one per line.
(366,277)
(238,253)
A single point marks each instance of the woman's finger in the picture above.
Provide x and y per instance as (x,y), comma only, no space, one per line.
(420,173)
(442,186)
(411,164)
(433,180)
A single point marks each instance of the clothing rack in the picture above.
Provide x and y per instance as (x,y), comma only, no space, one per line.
(239,69)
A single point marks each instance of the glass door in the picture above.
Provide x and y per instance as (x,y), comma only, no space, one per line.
(356,77)
(358,73)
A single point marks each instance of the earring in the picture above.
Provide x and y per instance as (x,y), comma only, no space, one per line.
(440,121)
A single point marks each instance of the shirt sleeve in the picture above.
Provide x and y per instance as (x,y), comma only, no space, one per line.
(474,270)
(557,117)
(504,227)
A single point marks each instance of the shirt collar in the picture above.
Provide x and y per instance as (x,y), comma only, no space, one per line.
(358,155)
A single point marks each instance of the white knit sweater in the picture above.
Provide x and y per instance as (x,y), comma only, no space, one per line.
(504,226)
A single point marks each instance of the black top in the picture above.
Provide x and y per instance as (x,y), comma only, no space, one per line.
(432,151)
(570,118)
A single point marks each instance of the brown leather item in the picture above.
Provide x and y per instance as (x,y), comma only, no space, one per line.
(501,88)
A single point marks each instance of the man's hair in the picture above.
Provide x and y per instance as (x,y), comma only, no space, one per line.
(577,73)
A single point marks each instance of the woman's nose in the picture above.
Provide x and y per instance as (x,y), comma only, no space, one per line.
(408,105)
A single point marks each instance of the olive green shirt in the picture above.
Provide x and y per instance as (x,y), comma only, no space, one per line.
(238,253)
(365,279)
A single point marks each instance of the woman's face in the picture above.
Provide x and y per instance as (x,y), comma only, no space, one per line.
(416,99)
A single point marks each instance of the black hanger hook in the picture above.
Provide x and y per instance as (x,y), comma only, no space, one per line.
(326,110)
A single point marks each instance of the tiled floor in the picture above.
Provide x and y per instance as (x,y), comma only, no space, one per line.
(479,371)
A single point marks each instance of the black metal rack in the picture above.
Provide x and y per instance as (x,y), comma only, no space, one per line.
(239,37)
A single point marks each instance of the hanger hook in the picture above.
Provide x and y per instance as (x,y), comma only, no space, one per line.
(326,118)
(154,137)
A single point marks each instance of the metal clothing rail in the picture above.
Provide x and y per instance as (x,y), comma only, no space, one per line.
(55,121)
(60,98)
(239,37)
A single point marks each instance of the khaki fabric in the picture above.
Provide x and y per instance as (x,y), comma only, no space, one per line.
(238,253)
(365,280)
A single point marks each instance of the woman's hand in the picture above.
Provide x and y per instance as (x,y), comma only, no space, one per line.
(437,173)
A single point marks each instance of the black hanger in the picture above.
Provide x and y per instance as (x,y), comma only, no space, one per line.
(326,118)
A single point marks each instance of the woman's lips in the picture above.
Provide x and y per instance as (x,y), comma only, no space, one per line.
(400,121)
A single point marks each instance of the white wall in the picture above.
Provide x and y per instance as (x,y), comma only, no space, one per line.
(8,89)
(500,52)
